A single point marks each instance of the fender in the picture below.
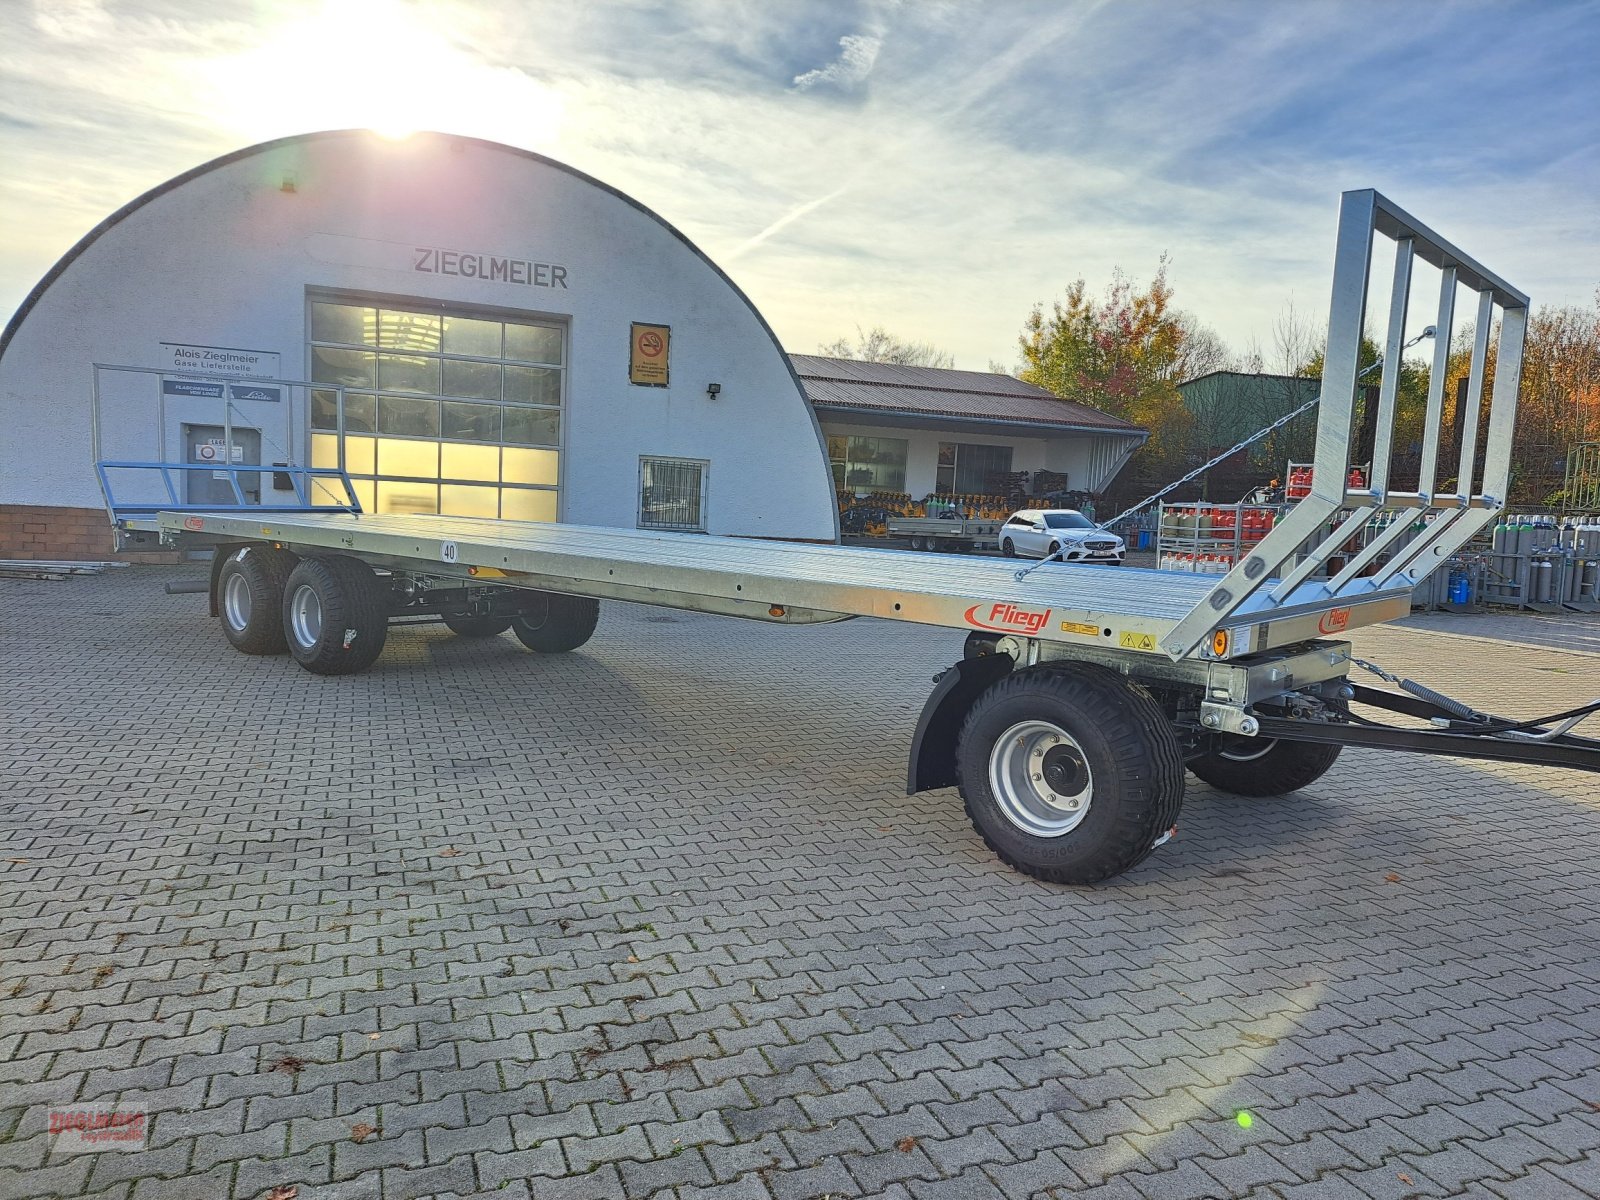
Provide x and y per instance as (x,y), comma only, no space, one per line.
(933,746)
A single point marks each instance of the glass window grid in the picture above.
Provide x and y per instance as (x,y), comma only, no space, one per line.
(376,346)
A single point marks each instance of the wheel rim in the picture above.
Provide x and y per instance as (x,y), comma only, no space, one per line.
(1040,779)
(535,614)
(305,615)
(1243,749)
(236,602)
(1009,550)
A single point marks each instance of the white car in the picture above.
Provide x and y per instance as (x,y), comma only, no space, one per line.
(1040,532)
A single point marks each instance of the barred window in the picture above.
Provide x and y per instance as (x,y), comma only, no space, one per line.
(672,494)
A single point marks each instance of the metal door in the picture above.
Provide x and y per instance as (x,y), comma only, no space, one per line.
(205,444)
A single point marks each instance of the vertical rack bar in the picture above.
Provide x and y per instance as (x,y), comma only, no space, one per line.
(1503,403)
(1389,388)
(1469,420)
(1346,316)
(1428,472)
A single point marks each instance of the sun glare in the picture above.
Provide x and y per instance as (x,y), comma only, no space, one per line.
(381,65)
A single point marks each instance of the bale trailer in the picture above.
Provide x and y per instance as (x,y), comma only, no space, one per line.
(1081,696)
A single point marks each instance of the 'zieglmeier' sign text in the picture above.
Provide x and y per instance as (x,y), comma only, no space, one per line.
(430,260)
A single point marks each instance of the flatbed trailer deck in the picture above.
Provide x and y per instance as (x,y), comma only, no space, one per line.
(1082,694)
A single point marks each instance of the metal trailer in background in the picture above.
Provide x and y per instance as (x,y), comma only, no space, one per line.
(950,532)
(1081,695)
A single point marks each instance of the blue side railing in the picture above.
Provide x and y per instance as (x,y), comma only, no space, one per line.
(299,479)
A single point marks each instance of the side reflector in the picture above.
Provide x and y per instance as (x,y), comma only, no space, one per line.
(1219,643)
(777,610)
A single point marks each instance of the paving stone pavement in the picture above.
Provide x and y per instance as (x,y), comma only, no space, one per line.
(655,920)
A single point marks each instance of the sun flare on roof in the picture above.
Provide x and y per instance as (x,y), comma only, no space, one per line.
(380,65)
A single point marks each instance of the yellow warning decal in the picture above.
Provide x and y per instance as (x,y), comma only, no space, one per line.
(1129,640)
(1076,627)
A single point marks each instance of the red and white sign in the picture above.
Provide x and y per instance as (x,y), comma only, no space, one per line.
(1007,618)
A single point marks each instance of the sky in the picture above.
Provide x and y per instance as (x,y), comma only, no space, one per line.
(933,167)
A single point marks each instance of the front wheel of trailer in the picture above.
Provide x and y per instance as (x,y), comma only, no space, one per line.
(1071,775)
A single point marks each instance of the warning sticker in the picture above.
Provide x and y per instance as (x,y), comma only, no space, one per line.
(1077,627)
(1129,640)
(649,355)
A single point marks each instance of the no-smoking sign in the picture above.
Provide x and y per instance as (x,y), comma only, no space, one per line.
(649,354)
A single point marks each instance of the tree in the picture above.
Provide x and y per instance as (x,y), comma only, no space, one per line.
(1124,354)
(879,345)
(1559,397)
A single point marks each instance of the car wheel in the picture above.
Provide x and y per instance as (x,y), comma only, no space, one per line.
(1008,548)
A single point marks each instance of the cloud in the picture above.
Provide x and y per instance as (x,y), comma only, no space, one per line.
(858,53)
(71,20)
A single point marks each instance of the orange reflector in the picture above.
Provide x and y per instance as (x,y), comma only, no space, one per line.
(1219,643)
(777,610)
(472,570)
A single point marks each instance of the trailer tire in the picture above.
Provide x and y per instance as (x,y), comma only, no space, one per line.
(1096,733)
(335,615)
(553,623)
(464,625)
(1272,768)
(250,598)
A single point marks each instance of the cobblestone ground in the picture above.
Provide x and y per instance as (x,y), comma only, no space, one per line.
(654,919)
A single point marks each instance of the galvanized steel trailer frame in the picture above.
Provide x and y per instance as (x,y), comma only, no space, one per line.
(1112,680)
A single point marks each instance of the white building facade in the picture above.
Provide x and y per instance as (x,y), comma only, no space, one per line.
(465,328)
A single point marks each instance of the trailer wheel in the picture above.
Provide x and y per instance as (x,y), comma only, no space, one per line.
(1263,766)
(463,625)
(552,623)
(335,615)
(1071,776)
(250,598)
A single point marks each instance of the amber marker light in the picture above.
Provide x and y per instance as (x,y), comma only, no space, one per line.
(1219,643)
(777,610)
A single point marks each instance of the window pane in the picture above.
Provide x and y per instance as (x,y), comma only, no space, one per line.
(458,500)
(463,335)
(361,457)
(533,426)
(407,497)
(533,385)
(518,504)
(530,466)
(347,368)
(979,467)
(471,380)
(471,422)
(836,448)
(366,492)
(533,343)
(414,418)
(324,409)
(406,374)
(408,458)
(469,462)
(408,331)
(878,464)
(360,413)
(325,450)
(343,323)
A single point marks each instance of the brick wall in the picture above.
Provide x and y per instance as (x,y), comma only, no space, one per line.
(63,534)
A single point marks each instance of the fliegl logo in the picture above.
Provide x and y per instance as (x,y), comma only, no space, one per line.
(1335,620)
(1007,618)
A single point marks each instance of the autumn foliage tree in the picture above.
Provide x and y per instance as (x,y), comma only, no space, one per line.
(1124,353)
